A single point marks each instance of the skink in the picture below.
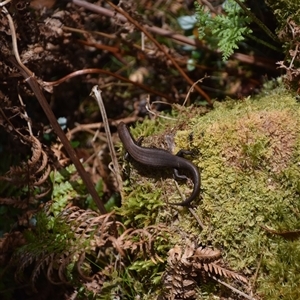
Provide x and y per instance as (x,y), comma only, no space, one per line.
(159,158)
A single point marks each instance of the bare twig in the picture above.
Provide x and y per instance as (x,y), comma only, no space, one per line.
(101,71)
(208,4)
(293,58)
(152,112)
(91,126)
(96,93)
(192,89)
(192,211)
(4,2)
(257,270)
(10,123)
(158,45)
(257,21)
(31,80)
(163,32)
(248,59)
(14,41)
(25,114)
(123,16)
(233,288)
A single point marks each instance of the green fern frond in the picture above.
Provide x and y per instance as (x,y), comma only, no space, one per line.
(63,189)
(43,244)
(229,29)
(204,20)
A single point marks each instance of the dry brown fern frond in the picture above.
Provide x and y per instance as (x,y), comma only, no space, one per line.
(213,268)
(8,243)
(187,263)
(206,254)
(80,239)
(14,202)
(29,175)
(35,171)
(60,156)
(38,164)
(142,241)
(63,249)
(95,285)
(89,225)
(178,279)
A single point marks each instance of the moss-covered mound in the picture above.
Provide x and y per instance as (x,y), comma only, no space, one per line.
(249,157)
(250,163)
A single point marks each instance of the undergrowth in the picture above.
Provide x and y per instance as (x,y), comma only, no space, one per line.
(94,253)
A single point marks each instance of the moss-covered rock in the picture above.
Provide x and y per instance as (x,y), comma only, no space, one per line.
(249,157)
(250,175)
(250,162)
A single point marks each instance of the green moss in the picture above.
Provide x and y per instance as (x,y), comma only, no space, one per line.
(280,271)
(141,206)
(248,153)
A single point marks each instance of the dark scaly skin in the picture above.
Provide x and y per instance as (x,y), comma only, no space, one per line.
(159,158)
